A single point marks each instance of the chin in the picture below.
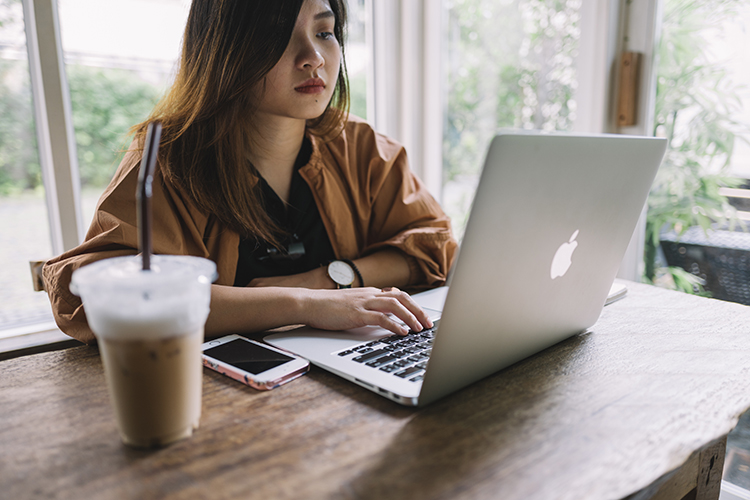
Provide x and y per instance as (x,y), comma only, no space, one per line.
(311,114)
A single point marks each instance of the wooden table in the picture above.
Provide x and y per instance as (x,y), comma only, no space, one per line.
(637,407)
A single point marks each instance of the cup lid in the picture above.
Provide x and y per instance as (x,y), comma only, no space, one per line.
(126,273)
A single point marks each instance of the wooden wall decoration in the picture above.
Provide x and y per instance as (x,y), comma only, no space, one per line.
(627,99)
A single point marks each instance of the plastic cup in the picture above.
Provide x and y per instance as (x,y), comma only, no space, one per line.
(149,325)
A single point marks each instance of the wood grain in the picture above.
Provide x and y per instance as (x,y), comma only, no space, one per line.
(627,99)
(601,415)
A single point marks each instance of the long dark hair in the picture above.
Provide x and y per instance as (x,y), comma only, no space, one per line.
(229,46)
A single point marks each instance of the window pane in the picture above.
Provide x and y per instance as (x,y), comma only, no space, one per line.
(24,226)
(510,64)
(357,57)
(703,109)
(119,59)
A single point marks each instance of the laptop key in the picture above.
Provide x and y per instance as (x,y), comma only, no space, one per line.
(417,378)
(408,371)
(375,363)
(370,355)
(390,368)
(346,353)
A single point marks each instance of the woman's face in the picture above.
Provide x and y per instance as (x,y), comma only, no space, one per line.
(301,84)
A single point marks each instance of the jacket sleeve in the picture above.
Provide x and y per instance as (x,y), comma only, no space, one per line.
(113,233)
(405,216)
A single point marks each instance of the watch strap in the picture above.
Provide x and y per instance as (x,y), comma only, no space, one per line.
(356,271)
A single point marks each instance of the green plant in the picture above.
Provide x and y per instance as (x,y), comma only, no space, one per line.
(695,109)
(19,159)
(106,103)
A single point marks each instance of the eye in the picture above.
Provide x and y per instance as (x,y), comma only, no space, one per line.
(326,35)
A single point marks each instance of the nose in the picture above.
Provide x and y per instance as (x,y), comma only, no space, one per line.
(309,57)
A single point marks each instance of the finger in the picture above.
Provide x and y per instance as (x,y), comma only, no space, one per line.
(393,306)
(384,321)
(407,302)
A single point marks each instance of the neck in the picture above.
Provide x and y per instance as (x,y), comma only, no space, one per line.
(276,144)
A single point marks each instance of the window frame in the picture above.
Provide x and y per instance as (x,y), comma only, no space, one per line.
(57,158)
(404,102)
(639,31)
(54,123)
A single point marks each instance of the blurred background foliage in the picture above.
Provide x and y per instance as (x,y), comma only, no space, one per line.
(696,106)
(512,64)
(19,160)
(105,103)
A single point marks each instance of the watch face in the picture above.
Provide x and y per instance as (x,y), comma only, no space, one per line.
(341,272)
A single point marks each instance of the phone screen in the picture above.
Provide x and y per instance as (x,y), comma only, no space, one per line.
(247,356)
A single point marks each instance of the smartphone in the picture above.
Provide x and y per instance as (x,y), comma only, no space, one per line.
(260,366)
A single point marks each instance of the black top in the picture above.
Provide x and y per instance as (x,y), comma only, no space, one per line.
(306,245)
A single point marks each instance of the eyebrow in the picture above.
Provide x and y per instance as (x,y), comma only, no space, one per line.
(324,15)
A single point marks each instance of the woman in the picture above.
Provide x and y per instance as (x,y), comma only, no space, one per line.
(261,170)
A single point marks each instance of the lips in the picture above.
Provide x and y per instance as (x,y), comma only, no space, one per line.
(311,86)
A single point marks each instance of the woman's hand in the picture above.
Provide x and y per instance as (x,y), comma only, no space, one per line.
(357,307)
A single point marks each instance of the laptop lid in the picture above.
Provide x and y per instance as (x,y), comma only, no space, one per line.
(551,219)
(550,223)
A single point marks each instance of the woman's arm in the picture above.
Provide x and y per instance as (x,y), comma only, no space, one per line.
(370,201)
(387,267)
(251,309)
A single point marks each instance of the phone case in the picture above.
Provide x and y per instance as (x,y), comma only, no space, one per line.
(242,376)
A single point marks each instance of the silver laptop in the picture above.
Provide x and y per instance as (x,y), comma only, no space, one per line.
(550,223)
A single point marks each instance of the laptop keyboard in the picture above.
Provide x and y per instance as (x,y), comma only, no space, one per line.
(405,357)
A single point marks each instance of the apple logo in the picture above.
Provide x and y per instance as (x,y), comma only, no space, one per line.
(561,261)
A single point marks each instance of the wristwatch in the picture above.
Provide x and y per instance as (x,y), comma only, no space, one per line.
(341,273)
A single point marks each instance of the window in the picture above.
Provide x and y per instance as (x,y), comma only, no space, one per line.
(510,64)
(357,57)
(119,60)
(702,109)
(24,225)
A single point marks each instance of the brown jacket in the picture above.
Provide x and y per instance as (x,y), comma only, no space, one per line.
(367,197)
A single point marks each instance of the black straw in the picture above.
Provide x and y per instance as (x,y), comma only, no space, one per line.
(143,193)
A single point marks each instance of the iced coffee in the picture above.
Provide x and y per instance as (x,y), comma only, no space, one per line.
(149,325)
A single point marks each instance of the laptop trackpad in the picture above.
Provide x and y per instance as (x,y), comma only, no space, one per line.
(309,342)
